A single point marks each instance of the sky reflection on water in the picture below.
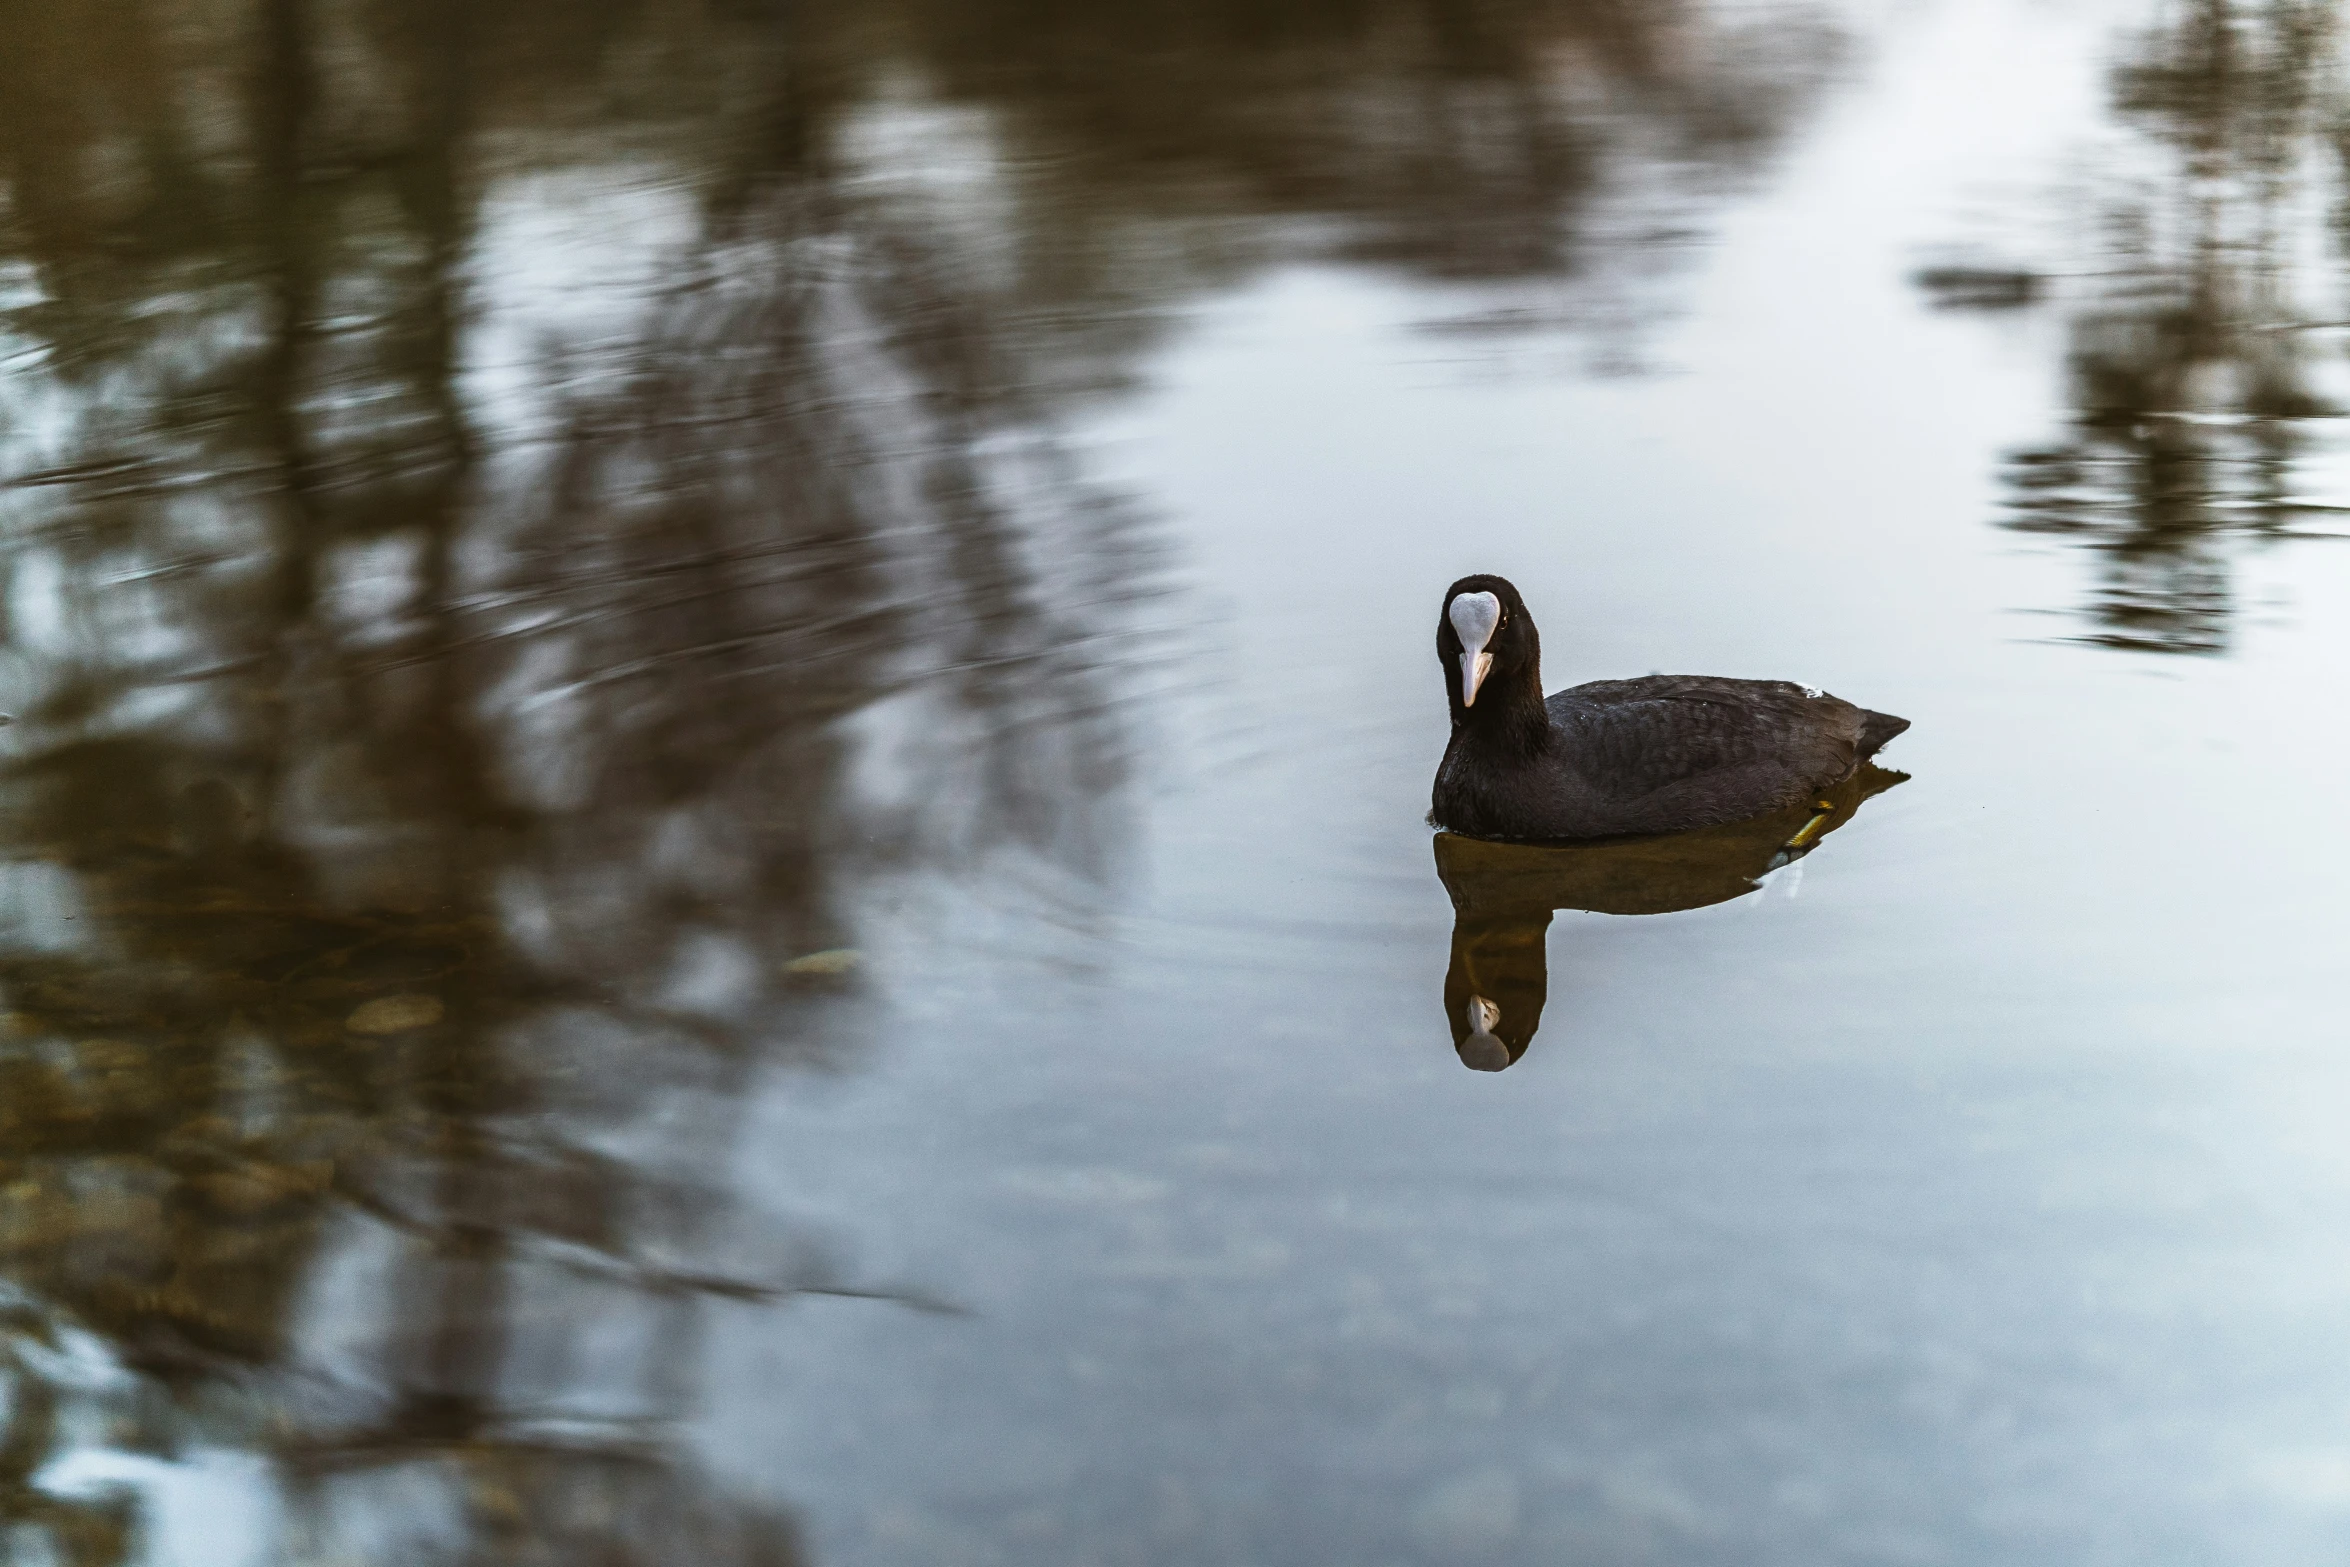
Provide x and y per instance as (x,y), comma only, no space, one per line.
(713,844)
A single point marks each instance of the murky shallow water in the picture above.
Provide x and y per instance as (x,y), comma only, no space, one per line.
(713,836)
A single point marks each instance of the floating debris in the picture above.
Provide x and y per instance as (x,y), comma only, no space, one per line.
(831,961)
(395,1015)
(1979,288)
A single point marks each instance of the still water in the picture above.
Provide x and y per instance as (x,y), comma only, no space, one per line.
(713,826)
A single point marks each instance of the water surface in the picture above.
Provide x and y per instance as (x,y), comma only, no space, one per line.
(714,836)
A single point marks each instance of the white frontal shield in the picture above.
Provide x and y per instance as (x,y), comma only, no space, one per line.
(1474,617)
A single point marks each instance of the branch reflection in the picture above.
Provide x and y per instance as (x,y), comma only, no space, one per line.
(2203,419)
(519,515)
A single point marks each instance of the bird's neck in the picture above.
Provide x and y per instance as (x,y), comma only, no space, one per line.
(1509,716)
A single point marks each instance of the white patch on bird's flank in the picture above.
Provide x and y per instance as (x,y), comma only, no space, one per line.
(1814,692)
(1474,615)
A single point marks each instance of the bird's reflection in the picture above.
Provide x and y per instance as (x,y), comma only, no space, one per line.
(1503,895)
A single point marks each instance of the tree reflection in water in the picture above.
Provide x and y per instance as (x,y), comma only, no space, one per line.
(514,523)
(2199,364)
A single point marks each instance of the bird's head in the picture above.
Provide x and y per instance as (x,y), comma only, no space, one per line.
(1486,640)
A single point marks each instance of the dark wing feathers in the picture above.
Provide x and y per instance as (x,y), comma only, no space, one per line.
(1691,749)
(1663,754)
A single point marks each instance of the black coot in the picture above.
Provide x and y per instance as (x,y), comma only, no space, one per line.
(1662,754)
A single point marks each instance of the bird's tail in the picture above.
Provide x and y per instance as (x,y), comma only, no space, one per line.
(1876,729)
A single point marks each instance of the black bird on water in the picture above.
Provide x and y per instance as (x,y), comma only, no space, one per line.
(1662,754)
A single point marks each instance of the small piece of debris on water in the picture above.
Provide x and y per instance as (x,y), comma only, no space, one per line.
(833,960)
(394,1015)
(1979,288)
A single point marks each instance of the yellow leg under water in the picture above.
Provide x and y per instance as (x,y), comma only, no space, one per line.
(1808,834)
(1810,831)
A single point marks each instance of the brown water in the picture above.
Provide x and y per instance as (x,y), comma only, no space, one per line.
(713,842)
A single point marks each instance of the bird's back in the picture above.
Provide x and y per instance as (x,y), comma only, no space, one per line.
(1671,752)
(1662,754)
